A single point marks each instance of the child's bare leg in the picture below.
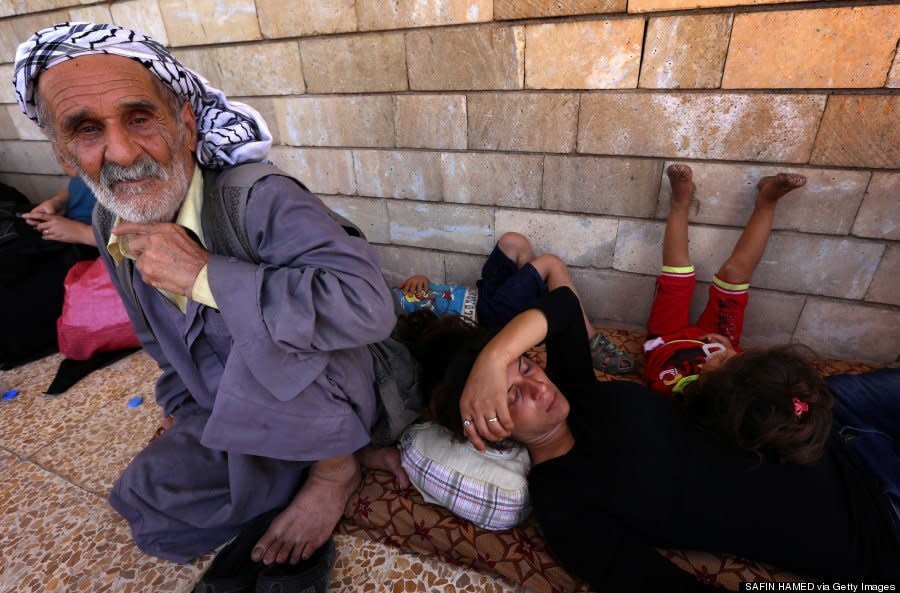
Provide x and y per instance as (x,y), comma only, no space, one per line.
(384,458)
(555,273)
(675,242)
(517,248)
(738,269)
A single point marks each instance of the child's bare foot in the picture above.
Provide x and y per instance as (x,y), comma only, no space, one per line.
(681,179)
(387,459)
(773,187)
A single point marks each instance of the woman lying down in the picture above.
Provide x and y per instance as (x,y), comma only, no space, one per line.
(619,471)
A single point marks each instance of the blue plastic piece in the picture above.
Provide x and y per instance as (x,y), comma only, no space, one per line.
(135,401)
(11,394)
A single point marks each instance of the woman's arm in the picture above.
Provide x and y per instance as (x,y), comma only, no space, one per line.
(557,318)
(484,395)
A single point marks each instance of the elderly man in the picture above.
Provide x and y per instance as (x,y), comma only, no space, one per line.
(264,364)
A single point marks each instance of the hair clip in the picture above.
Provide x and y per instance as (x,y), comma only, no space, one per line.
(800,407)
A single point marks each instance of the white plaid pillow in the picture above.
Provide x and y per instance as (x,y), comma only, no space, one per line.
(489,489)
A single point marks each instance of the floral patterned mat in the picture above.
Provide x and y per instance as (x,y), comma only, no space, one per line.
(403,519)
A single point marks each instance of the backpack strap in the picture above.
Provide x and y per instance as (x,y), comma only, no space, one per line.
(224,212)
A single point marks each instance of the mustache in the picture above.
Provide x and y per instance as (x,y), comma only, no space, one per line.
(147,167)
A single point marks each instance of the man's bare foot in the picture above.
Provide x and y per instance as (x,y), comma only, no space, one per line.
(309,520)
(387,459)
(773,187)
(681,179)
(165,424)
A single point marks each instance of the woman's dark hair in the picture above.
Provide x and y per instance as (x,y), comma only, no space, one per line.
(446,349)
(750,402)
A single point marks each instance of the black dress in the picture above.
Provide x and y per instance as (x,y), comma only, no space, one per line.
(641,476)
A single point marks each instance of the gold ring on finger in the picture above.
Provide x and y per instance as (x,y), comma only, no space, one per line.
(494,419)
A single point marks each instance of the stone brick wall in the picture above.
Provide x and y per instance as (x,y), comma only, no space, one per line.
(440,124)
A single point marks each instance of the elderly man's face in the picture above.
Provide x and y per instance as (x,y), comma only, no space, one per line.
(113,125)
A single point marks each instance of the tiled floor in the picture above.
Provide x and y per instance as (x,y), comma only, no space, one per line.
(60,455)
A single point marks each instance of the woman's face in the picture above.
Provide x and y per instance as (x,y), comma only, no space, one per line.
(535,404)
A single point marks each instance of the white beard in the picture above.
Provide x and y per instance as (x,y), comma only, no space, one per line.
(131,206)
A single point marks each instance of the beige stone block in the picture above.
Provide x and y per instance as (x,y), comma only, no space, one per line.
(266,108)
(526,9)
(860,131)
(301,18)
(22,127)
(578,240)
(610,296)
(584,54)
(16,7)
(684,52)
(815,264)
(462,268)
(792,262)
(885,286)
(14,31)
(430,121)
(28,157)
(849,331)
(471,58)
(448,227)
(639,247)
(879,215)
(405,14)
(893,80)
(830,48)
(197,22)
(8,129)
(323,171)
(539,122)
(366,121)
(260,69)
(726,195)
(36,188)
(98,13)
(369,214)
(353,64)
(143,16)
(598,185)
(7,90)
(399,263)
(398,174)
(779,128)
(651,5)
(492,179)
(202,61)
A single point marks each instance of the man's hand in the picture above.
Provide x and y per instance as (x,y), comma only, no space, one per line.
(165,255)
(59,228)
(416,286)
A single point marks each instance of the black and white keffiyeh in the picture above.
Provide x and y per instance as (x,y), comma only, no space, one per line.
(229,132)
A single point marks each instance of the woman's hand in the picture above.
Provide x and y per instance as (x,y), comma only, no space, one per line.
(484,404)
(485,400)
(415,286)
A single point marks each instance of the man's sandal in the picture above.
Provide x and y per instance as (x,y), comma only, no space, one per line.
(609,358)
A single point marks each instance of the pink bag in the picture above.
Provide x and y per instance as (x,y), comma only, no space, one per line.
(93,318)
